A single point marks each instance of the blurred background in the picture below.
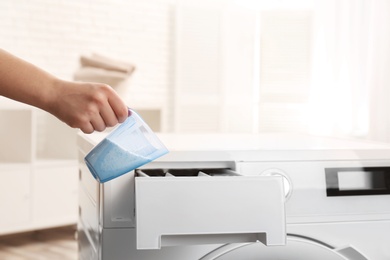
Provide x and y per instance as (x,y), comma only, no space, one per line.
(312,66)
(225,66)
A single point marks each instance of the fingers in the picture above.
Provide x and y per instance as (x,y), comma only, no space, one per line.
(119,108)
(89,106)
(111,110)
(87,128)
(98,123)
(108,116)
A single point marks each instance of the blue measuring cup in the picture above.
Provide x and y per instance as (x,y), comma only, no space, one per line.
(129,146)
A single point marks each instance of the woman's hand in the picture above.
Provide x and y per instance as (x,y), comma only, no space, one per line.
(88,106)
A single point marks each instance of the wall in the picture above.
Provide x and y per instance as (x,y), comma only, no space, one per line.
(54,33)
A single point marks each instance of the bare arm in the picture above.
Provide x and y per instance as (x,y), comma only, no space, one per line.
(88,106)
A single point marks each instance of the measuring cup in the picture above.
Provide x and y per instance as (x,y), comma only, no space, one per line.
(129,146)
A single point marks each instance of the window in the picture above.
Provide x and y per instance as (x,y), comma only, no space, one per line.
(228,79)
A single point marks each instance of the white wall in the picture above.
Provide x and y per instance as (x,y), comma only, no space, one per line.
(53,33)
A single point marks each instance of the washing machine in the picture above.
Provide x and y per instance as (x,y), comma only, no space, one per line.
(241,197)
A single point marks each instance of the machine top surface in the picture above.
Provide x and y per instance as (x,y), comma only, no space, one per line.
(266,146)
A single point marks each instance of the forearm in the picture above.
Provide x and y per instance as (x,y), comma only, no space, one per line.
(88,106)
(24,82)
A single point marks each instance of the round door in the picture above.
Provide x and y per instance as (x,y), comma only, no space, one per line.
(296,249)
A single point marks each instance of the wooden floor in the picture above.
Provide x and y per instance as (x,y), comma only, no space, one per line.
(48,244)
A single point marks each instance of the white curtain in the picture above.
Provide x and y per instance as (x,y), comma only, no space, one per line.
(351,67)
(379,77)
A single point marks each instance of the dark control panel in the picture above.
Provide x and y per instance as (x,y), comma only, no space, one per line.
(354,181)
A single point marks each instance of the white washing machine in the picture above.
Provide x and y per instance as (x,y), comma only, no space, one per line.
(246,197)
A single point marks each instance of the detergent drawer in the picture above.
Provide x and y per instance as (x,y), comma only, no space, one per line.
(207,206)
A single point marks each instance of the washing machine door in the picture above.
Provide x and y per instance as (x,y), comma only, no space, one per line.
(297,248)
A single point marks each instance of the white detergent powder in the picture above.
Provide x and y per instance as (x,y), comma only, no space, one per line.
(113,161)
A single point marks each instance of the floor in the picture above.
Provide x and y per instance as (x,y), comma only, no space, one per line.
(53,244)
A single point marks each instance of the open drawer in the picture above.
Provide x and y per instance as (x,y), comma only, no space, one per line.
(199,206)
